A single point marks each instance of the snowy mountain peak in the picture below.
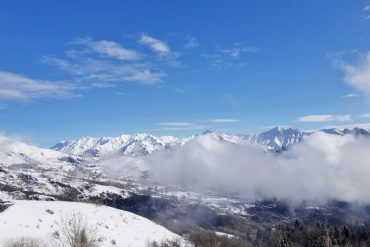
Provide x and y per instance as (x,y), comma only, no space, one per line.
(278,138)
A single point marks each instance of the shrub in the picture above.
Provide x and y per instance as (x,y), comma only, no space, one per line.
(75,233)
(24,242)
(211,239)
(168,243)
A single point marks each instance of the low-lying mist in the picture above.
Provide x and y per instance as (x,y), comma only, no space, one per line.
(321,168)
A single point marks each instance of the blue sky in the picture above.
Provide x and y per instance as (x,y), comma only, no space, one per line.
(104,68)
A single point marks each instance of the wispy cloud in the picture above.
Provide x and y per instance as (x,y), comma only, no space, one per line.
(102,85)
(177,124)
(168,126)
(86,68)
(17,87)
(106,62)
(324,118)
(351,95)
(108,48)
(365,115)
(191,43)
(179,90)
(223,120)
(235,52)
(230,57)
(366,12)
(158,46)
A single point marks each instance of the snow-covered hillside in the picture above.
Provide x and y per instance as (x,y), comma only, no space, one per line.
(40,219)
(15,152)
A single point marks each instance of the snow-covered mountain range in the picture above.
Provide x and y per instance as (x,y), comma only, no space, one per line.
(276,139)
(136,144)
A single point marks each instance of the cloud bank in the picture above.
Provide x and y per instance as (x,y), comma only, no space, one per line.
(323,167)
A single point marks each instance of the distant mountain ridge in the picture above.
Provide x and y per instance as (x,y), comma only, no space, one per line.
(136,144)
(276,139)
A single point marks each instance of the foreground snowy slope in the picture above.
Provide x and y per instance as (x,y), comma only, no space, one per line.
(40,219)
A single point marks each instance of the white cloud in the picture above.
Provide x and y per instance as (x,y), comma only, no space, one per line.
(156,45)
(20,88)
(365,115)
(324,118)
(357,74)
(224,120)
(108,48)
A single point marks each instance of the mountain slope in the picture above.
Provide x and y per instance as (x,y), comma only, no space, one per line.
(40,219)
